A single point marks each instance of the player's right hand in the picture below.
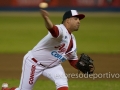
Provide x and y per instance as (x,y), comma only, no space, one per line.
(44,13)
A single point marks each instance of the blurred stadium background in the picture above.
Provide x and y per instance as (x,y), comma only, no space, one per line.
(60,5)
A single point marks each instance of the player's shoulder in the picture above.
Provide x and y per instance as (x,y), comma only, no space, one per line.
(61,27)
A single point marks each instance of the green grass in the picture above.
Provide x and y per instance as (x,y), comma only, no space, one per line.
(20,32)
(73,84)
(99,33)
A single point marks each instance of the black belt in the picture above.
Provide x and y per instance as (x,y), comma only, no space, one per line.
(37,61)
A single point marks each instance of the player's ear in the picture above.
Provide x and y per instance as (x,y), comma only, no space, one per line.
(68,20)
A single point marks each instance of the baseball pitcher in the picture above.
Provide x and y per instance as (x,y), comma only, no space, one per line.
(56,47)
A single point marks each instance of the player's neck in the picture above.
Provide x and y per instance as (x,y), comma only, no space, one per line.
(68,28)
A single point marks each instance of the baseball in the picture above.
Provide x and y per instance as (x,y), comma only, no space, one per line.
(5,85)
(43,5)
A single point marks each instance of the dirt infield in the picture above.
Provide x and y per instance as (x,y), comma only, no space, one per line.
(10,64)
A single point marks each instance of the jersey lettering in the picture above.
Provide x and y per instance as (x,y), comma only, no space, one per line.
(31,79)
(58,56)
(61,48)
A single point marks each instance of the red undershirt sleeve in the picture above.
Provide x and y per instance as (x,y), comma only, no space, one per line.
(54,31)
(73,63)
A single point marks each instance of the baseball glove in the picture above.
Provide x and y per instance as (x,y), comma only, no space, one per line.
(85,64)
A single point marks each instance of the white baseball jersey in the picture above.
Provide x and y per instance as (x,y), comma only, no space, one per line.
(52,50)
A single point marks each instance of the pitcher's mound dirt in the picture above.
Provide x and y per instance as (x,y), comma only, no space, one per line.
(11,64)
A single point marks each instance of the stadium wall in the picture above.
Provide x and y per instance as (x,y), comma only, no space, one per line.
(60,5)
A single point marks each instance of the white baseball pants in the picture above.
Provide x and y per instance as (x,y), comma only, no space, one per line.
(31,72)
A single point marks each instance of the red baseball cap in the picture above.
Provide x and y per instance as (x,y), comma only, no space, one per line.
(72,13)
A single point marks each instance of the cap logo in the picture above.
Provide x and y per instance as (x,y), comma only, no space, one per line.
(74,12)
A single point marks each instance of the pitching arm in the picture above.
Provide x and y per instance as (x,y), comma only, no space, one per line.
(49,25)
(48,22)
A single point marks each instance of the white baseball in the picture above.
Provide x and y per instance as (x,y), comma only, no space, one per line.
(5,85)
(43,5)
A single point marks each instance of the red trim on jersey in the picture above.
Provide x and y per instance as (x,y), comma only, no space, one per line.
(54,31)
(73,63)
(69,32)
(13,88)
(63,88)
(70,45)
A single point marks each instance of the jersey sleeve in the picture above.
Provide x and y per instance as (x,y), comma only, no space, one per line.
(55,31)
(73,63)
(72,58)
(72,55)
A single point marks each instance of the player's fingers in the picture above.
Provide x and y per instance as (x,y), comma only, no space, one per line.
(44,12)
(91,68)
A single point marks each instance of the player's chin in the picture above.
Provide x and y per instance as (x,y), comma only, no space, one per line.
(76,29)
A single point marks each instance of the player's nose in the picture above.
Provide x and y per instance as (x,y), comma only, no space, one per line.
(78,22)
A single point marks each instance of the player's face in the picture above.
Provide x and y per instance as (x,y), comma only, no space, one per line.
(74,23)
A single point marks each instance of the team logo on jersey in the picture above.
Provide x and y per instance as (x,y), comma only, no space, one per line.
(58,56)
(61,48)
(31,79)
(65,37)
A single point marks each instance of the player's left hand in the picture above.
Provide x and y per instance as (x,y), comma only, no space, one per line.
(85,64)
(91,68)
